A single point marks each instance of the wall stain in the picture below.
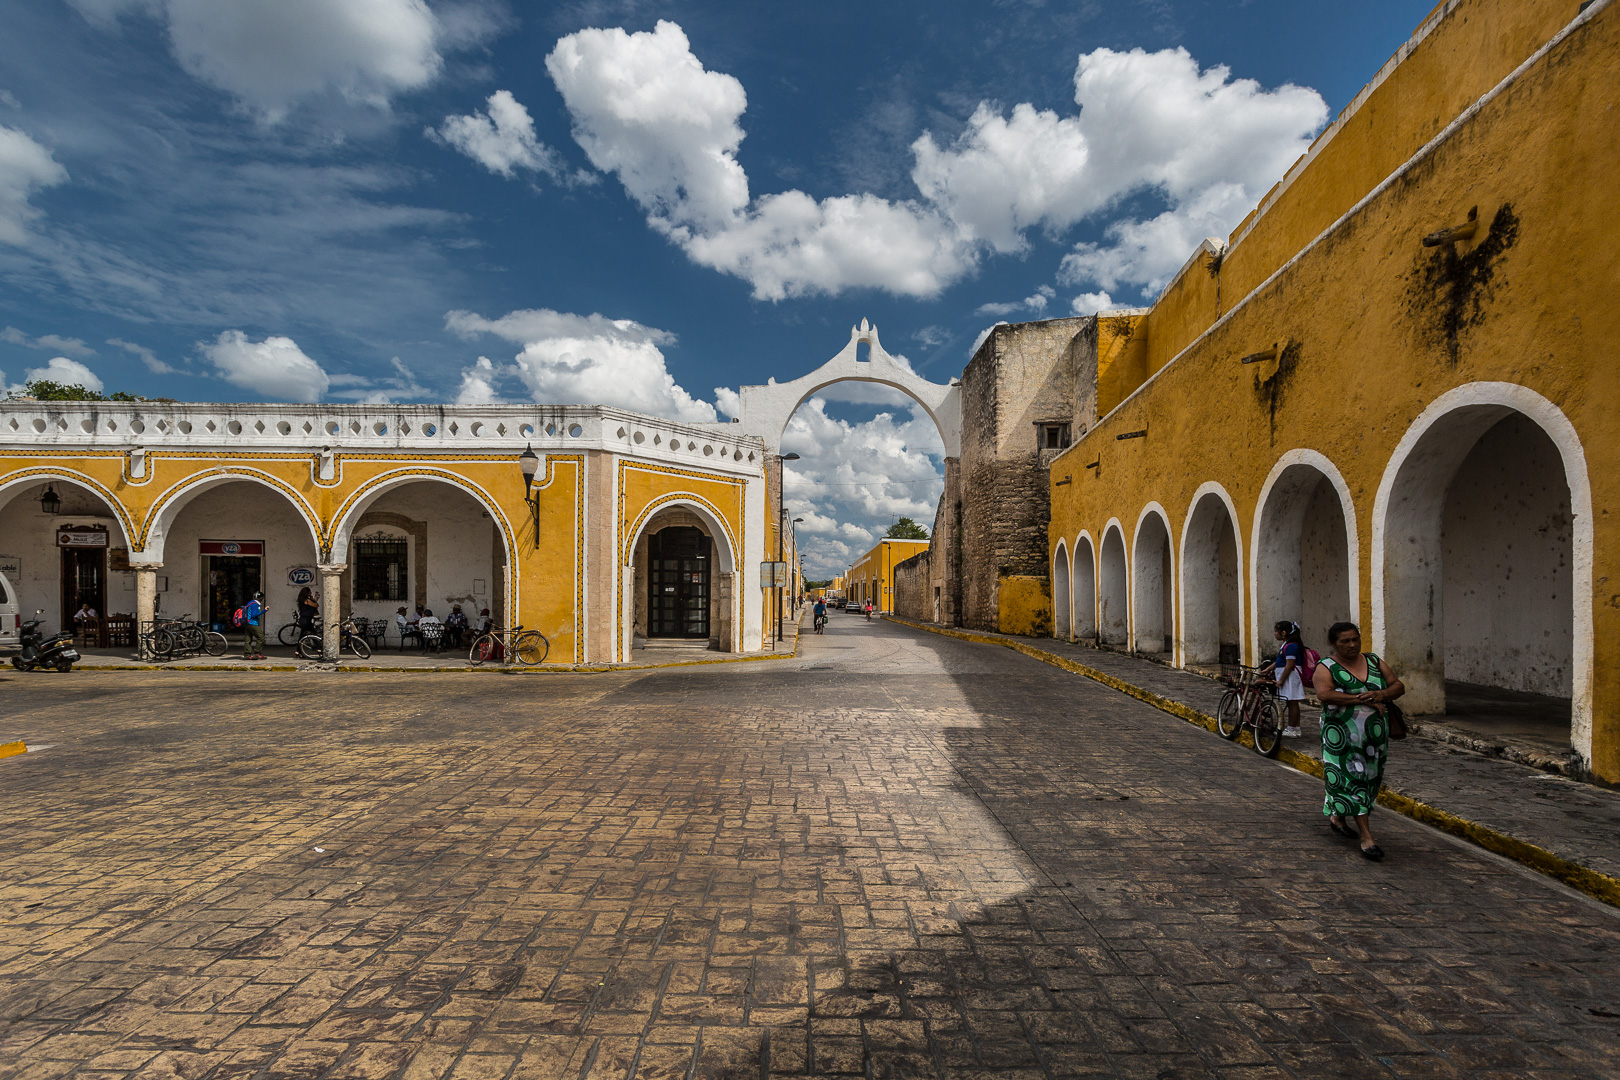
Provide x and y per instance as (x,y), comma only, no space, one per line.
(1270,390)
(1449,292)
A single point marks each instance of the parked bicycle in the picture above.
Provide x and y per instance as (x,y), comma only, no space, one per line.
(1251,703)
(350,640)
(293,633)
(171,639)
(529,646)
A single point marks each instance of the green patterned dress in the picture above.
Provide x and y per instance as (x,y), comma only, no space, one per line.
(1355,743)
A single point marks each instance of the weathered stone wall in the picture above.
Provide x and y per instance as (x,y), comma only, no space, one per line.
(914,588)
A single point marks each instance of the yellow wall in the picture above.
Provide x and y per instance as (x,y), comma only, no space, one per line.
(1024,605)
(1364,315)
(872,575)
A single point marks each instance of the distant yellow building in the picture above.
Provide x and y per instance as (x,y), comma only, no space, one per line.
(871,577)
(1391,397)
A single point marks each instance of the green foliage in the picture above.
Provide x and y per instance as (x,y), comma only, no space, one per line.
(827,584)
(46,390)
(906,529)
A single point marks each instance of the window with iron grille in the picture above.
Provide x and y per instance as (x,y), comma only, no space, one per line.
(380,566)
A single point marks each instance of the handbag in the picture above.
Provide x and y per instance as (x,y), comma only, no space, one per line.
(1396,719)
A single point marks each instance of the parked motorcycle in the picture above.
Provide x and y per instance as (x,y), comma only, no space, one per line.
(37,652)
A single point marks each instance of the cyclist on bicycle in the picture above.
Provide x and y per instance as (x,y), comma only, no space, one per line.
(821,613)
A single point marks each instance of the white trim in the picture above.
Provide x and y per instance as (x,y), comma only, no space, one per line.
(719,533)
(1068,588)
(167,506)
(1510,397)
(1210,487)
(1091,545)
(1252,645)
(1153,508)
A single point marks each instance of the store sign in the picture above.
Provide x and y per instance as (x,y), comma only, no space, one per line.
(772,574)
(11,566)
(76,538)
(231,547)
(300,575)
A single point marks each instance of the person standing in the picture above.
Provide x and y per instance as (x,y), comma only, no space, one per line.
(1289,669)
(1355,689)
(308,610)
(253,622)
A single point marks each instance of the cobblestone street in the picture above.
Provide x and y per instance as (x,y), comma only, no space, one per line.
(899,855)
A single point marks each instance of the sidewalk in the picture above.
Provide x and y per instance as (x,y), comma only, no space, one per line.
(1555,824)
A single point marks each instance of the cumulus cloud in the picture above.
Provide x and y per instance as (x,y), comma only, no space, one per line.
(1094,303)
(67,372)
(68,346)
(584,359)
(25,167)
(272,54)
(502,140)
(275,367)
(478,384)
(1035,303)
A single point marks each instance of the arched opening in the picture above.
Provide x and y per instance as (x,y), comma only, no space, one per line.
(424,543)
(1211,622)
(1061,622)
(1304,551)
(1113,610)
(60,562)
(1152,621)
(1084,572)
(682,582)
(1480,532)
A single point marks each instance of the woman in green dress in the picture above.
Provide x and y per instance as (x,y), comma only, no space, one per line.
(1354,688)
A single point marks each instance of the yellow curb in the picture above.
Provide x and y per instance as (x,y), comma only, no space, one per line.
(1589,881)
(12,749)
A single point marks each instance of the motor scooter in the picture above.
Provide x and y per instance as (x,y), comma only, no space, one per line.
(58,652)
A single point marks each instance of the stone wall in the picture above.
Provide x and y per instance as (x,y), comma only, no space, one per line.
(914,588)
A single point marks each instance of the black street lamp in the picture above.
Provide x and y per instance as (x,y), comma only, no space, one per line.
(529,461)
(781,512)
(50,503)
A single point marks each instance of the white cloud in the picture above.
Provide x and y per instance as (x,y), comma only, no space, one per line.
(47,342)
(274,53)
(148,357)
(1093,303)
(25,167)
(502,140)
(986,332)
(586,359)
(1035,303)
(478,384)
(67,372)
(275,367)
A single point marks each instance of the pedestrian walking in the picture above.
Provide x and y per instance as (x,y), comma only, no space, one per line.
(307,610)
(253,622)
(1356,690)
(1290,669)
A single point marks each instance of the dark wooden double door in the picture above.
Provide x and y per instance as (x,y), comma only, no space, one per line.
(678,583)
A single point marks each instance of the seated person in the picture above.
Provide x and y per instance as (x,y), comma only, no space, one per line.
(430,628)
(455,625)
(408,626)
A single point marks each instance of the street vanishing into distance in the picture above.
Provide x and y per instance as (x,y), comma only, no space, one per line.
(894,855)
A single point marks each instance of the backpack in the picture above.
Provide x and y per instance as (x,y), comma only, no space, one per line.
(237,617)
(1307,669)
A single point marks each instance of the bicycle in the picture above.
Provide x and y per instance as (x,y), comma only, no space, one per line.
(350,640)
(293,633)
(529,646)
(1251,702)
(166,639)
(821,621)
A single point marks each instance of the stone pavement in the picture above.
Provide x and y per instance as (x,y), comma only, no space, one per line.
(1575,821)
(898,855)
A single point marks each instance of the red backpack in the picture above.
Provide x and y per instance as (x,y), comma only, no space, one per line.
(237,617)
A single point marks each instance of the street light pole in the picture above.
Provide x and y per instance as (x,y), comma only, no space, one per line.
(781,512)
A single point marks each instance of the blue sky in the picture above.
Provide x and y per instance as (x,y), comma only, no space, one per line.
(641,203)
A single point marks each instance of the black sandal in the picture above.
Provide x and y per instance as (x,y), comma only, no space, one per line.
(1373,852)
(1343,829)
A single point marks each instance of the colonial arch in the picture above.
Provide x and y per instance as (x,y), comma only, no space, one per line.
(1152,612)
(49,576)
(767,409)
(1062,614)
(1482,552)
(1305,551)
(725,556)
(1113,605)
(1084,591)
(167,507)
(1211,580)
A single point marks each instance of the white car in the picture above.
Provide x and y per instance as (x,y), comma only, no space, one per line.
(8,617)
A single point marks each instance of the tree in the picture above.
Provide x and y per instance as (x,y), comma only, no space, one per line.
(46,390)
(906,529)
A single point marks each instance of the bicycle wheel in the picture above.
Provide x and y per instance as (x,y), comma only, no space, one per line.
(289,635)
(214,643)
(1229,717)
(190,639)
(309,646)
(485,648)
(532,647)
(357,645)
(160,643)
(1267,729)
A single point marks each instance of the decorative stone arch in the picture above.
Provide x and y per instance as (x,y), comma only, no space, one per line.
(1201,585)
(155,529)
(1083,586)
(1152,582)
(726,550)
(1276,573)
(1062,601)
(1113,587)
(1406,540)
(11,482)
(766,410)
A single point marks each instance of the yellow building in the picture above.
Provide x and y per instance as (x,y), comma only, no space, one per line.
(633,527)
(871,577)
(1391,396)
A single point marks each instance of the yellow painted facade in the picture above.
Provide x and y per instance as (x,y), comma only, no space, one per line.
(871,577)
(1384,373)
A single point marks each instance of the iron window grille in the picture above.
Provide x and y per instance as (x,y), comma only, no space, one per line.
(380,567)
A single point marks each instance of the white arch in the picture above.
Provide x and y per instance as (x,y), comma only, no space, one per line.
(1273,544)
(725,548)
(1113,587)
(45,474)
(1146,590)
(1456,420)
(766,410)
(1062,599)
(366,495)
(1203,599)
(1083,587)
(167,507)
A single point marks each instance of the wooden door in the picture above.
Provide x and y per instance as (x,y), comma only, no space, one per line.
(678,584)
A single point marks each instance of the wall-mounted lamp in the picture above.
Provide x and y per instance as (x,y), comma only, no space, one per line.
(1262,357)
(1465,231)
(529,462)
(1131,435)
(50,503)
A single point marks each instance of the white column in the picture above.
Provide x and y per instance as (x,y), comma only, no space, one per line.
(145,602)
(331,611)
